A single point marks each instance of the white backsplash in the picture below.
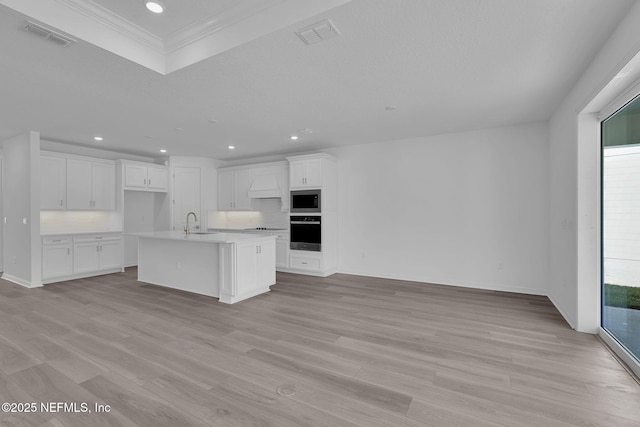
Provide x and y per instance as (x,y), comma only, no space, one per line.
(79,222)
(268,214)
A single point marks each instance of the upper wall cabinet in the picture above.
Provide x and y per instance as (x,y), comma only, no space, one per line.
(145,177)
(233,189)
(91,184)
(71,182)
(305,173)
(53,182)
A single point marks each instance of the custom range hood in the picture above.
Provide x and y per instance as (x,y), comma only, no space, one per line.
(264,187)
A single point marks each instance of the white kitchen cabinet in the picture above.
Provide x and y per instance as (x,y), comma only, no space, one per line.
(93,254)
(306,261)
(135,177)
(233,189)
(320,172)
(225,190)
(103,186)
(142,177)
(86,257)
(57,257)
(91,185)
(257,272)
(53,179)
(282,251)
(74,256)
(111,254)
(305,173)
(158,178)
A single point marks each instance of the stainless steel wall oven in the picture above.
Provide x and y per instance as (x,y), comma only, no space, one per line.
(306,233)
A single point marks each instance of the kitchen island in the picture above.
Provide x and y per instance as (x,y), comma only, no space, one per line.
(228,266)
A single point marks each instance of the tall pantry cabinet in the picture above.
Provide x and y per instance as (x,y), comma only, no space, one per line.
(317,171)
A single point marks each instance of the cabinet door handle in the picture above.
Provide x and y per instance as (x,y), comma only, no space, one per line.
(68,251)
(145,182)
(149,183)
(61,202)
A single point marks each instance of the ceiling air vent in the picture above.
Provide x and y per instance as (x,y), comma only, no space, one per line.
(318,32)
(49,34)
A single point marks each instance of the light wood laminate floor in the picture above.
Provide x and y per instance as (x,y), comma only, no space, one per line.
(339,351)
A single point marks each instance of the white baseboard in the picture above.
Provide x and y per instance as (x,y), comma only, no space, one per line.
(561,309)
(483,286)
(50,280)
(21,282)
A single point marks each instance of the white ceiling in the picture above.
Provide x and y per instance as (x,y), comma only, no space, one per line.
(448,65)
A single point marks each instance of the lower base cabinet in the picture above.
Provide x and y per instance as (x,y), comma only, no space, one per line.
(254,271)
(57,257)
(282,252)
(96,253)
(308,262)
(70,257)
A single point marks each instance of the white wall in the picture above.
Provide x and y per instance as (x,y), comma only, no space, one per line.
(21,208)
(466,209)
(574,182)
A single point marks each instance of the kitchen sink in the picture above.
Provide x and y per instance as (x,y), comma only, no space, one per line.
(202,232)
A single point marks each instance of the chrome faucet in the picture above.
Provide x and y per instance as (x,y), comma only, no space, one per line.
(186,227)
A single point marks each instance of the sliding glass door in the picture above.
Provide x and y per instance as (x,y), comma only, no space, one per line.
(621,226)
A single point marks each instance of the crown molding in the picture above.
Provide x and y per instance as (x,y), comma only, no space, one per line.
(115,22)
(217,21)
(230,26)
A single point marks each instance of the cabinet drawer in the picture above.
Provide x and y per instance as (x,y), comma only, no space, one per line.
(63,240)
(305,263)
(102,238)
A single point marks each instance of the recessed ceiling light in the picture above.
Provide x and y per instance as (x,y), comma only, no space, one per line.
(390,107)
(154,6)
(98,138)
(163,151)
(294,137)
(231,147)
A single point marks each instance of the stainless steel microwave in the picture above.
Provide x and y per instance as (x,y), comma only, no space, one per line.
(305,201)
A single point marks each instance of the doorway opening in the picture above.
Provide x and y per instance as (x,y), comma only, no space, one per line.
(620,133)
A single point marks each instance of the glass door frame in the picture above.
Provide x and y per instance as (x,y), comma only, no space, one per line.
(612,342)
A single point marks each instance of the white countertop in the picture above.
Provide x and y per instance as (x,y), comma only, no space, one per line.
(203,238)
(81,233)
(273,231)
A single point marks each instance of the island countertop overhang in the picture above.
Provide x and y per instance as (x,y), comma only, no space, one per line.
(204,238)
